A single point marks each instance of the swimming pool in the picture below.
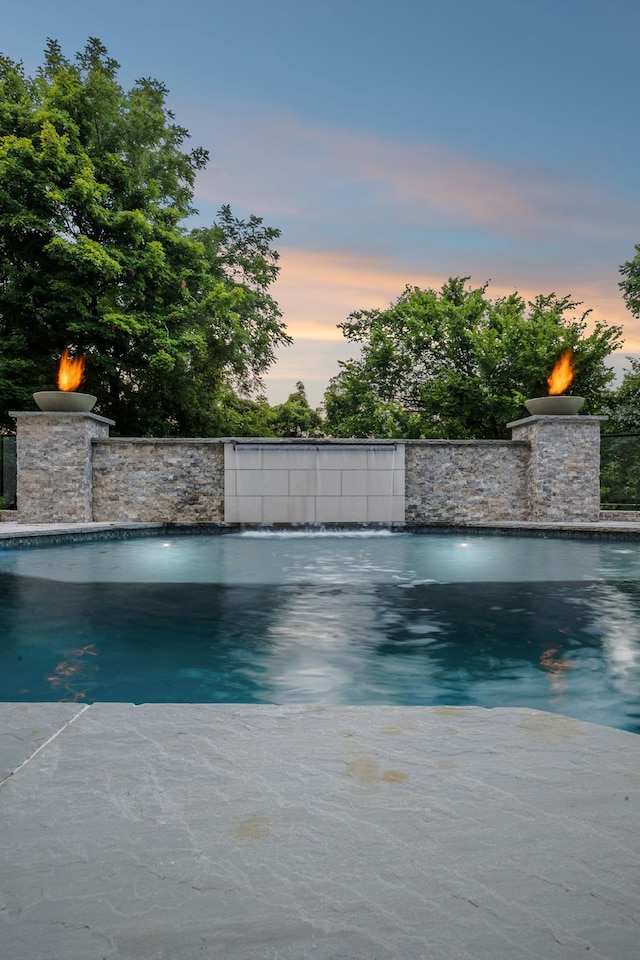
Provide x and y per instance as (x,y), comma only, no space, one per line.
(326,618)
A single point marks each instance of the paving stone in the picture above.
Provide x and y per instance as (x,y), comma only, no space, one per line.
(175,832)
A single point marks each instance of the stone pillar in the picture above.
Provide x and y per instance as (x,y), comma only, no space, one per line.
(54,465)
(564,466)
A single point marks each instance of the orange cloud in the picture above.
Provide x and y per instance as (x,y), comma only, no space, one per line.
(317,290)
(364,216)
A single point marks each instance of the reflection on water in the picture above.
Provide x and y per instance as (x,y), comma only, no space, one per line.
(356,619)
(350,558)
(74,673)
(615,622)
(556,666)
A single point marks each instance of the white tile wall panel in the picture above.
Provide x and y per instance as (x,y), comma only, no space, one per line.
(243,509)
(385,509)
(295,483)
(288,509)
(341,509)
(323,483)
(262,483)
(288,458)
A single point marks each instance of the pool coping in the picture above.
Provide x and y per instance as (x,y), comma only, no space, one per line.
(40,534)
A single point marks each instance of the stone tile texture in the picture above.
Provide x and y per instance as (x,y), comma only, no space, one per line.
(69,470)
(158,480)
(165,832)
(54,466)
(466,481)
(564,466)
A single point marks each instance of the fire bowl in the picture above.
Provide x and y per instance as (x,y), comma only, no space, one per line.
(64,401)
(554,406)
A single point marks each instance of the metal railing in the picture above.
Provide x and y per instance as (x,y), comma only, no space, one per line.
(7,471)
(620,471)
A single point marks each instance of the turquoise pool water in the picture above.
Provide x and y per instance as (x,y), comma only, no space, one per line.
(356,618)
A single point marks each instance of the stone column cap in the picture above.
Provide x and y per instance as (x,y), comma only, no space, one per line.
(60,415)
(555,418)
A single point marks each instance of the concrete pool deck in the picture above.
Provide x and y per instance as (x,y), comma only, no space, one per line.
(233,832)
(237,832)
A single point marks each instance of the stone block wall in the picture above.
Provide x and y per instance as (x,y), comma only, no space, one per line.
(466,481)
(69,471)
(564,466)
(53,459)
(158,480)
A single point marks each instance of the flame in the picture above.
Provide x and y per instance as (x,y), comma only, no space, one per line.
(562,374)
(70,371)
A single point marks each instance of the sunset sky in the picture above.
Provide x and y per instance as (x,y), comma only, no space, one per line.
(394,143)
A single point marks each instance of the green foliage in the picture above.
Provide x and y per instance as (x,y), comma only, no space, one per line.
(630,285)
(295,418)
(236,416)
(95,187)
(620,455)
(454,364)
(620,472)
(622,405)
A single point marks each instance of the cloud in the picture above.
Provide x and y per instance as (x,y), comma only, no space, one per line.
(319,289)
(292,169)
(363,216)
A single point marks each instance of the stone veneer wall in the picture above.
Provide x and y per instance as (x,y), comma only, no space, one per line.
(620,516)
(158,480)
(465,481)
(69,470)
(564,466)
(53,461)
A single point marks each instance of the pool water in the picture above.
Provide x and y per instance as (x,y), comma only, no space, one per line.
(350,618)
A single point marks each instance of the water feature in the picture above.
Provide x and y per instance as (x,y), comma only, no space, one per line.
(326,618)
(307,483)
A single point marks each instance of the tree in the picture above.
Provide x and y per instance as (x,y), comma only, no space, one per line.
(95,188)
(630,285)
(454,364)
(619,460)
(295,417)
(622,405)
(620,446)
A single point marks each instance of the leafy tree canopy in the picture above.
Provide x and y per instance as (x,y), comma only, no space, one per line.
(295,417)
(630,284)
(455,364)
(245,417)
(622,404)
(96,183)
